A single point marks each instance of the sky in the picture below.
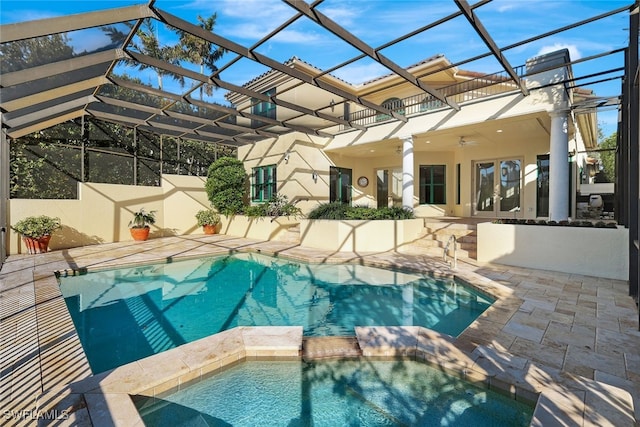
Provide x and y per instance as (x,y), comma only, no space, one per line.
(376,22)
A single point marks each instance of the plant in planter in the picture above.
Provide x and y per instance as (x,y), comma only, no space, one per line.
(36,232)
(139,226)
(208,219)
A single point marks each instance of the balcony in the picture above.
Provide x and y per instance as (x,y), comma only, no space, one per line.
(476,88)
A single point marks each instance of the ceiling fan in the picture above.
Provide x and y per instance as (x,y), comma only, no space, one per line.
(464,142)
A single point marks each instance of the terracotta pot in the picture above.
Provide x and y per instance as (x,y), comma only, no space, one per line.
(140,234)
(38,245)
(209,229)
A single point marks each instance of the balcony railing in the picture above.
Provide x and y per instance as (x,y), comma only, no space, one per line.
(479,87)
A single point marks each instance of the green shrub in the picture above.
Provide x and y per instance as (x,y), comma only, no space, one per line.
(335,210)
(142,219)
(396,212)
(274,207)
(36,226)
(207,217)
(227,185)
(339,210)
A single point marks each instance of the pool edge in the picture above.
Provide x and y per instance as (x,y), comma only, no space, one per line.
(571,399)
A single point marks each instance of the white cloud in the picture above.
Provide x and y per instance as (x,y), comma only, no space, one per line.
(356,74)
(574,53)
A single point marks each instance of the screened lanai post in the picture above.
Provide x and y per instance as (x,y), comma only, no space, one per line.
(4,192)
(407,172)
(631,132)
(135,156)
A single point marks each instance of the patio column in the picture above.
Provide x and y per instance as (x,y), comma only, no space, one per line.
(407,172)
(559,167)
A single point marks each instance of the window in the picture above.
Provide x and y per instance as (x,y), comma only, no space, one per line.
(263,108)
(264,184)
(340,185)
(433,185)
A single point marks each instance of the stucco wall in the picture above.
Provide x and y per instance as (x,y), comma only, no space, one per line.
(257,228)
(359,236)
(600,252)
(103,211)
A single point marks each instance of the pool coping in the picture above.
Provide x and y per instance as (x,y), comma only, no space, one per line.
(106,398)
(594,403)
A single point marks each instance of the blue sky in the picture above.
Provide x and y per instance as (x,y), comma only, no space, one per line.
(377,22)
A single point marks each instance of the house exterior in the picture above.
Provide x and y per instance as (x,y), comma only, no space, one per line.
(506,151)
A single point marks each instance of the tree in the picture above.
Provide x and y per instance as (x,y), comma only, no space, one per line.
(608,157)
(149,45)
(226,185)
(28,53)
(199,51)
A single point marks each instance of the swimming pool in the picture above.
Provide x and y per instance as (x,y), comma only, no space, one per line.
(334,393)
(122,315)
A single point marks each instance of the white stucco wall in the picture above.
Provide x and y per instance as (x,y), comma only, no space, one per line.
(359,236)
(600,252)
(103,211)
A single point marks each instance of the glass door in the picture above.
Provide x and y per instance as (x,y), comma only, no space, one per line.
(485,193)
(542,190)
(389,191)
(498,194)
(340,185)
(382,194)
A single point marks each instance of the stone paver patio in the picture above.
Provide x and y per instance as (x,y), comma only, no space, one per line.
(545,328)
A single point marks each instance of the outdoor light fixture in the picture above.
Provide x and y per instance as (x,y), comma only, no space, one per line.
(286,157)
(314,176)
(399,150)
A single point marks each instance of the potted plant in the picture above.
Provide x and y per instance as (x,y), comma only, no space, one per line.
(208,219)
(36,232)
(139,226)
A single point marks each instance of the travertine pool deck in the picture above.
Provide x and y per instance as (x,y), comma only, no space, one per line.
(574,338)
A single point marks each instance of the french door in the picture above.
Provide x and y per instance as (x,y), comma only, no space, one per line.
(497,188)
(389,187)
(340,185)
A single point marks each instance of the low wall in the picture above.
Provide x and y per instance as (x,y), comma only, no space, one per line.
(256,228)
(102,212)
(359,235)
(600,252)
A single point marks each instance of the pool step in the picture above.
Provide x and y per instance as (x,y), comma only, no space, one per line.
(290,235)
(314,348)
(435,236)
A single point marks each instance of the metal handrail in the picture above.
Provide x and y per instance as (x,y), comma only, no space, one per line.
(479,87)
(455,251)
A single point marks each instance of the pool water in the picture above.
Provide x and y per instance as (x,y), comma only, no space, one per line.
(334,393)
(126,314)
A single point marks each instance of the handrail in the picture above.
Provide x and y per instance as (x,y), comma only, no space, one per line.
(455,251)
(478,87)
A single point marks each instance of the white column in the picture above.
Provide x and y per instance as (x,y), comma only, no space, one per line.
(407,172)
(559,167)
